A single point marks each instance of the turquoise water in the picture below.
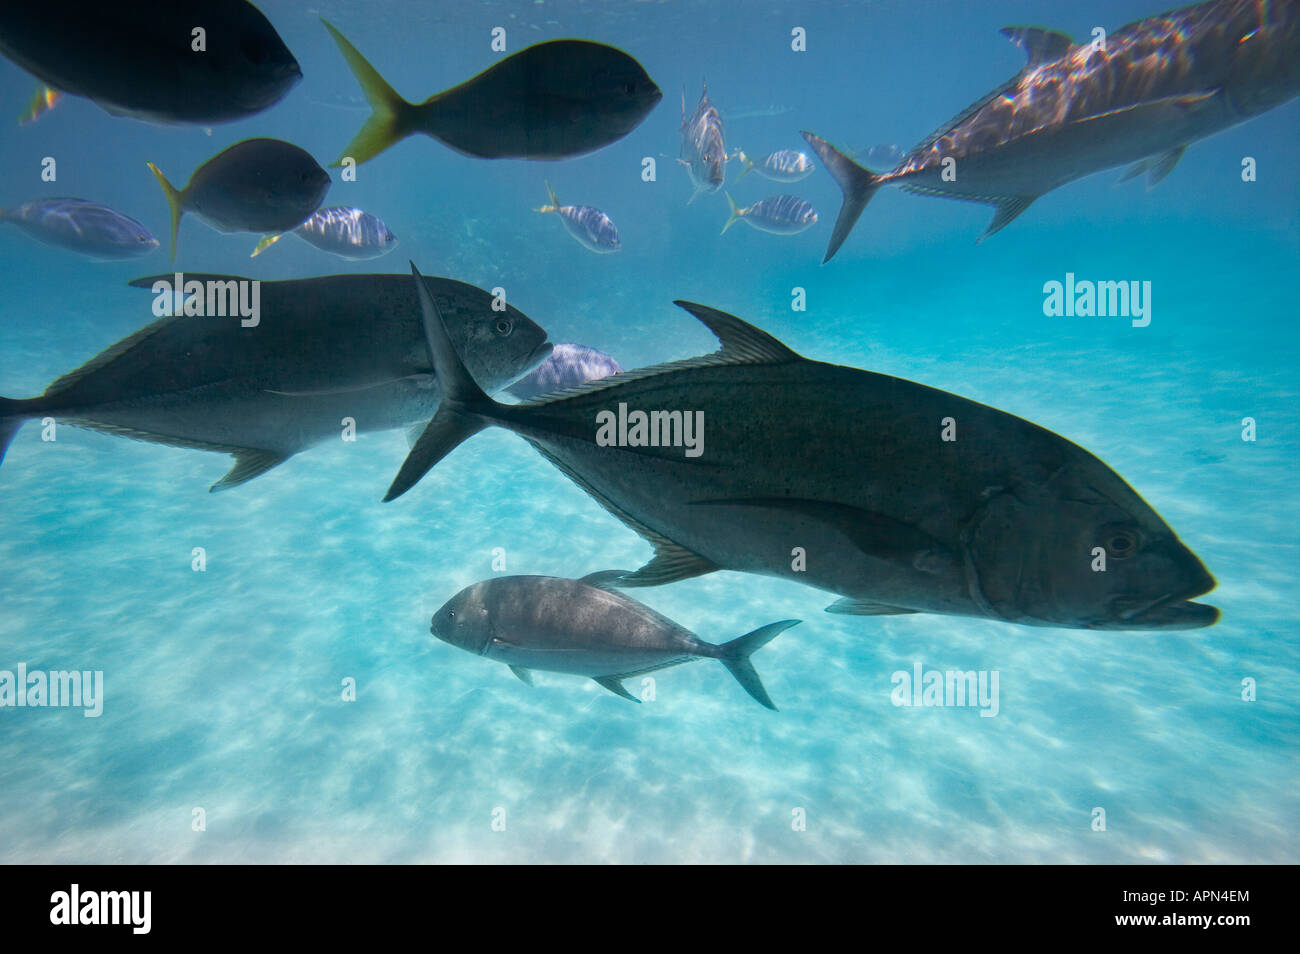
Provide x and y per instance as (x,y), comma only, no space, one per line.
(223,688)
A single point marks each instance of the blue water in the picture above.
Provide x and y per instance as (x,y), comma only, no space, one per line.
(223,688)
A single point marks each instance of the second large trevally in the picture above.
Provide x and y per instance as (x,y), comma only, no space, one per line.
(899,497)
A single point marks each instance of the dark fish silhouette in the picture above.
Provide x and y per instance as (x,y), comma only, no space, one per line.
(258,185)
(324,349)
(848,469)
(137,57)
(1159,85)
(572,626)
(78,225)
(553,100)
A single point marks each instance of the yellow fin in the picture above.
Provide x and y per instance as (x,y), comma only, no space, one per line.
(175,202)
(390,120)
(45,99)
(266,243)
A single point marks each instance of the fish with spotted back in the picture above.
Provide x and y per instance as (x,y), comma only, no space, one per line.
(848,468)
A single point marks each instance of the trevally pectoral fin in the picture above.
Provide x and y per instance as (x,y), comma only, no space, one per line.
(525,675)
(614,684)
(423,379)
(249,463)
(852,607)
(1006,212)
(875,534)
(1156,167)
(1041,46)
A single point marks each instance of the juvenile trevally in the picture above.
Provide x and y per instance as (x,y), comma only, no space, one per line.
(785,165)
(1159,85)
(552,100)
(139,58)
(756,459)
(81,226)
(704,150)
(322,349)
(345,232)
(568,366)
(257,185)
(778,214)
(572,626)
(592,228)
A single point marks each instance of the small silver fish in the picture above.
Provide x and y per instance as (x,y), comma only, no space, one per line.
(785,165)
(704,151)
(582,628)
(568,366)
(778,214)
(78,225)
(591,227)
(345,232)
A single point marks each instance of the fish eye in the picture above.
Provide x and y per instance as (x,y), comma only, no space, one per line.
(503,326)
(451,614)
(1122,544)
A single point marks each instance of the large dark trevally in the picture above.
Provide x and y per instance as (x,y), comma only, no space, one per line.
(1159,85)
(138,57)
(580,627)
(840,479)
(323,349)
(552,100)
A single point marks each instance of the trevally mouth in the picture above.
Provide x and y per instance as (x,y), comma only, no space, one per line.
(538,355)
(1171,611)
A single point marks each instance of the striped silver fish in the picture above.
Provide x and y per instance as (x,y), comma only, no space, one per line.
(704,151)
(591,228)
(778,214)
(342,231)
(785,165)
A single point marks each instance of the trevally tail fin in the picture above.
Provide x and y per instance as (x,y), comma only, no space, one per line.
(857,184)
(175,202)
(736,213)
(735,656)
(390,119)
(12,415)
(462,399)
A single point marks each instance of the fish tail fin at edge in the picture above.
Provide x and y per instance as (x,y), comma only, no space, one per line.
(462,402)
(735,656)
(857,184)
(735,214)
(266,243)
(746,162)
(391,116)
(555,203)
(12,414)
(175,202)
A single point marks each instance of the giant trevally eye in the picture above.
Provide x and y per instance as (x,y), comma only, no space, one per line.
(1121,544)
(503,326)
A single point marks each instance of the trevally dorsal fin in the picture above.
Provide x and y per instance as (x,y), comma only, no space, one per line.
(1041,46)
(742,343)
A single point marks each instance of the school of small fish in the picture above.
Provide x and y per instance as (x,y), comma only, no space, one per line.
(837,461)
